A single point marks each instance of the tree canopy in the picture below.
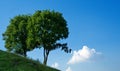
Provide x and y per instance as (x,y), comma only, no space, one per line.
(15,35)
(50,28)
(44,29)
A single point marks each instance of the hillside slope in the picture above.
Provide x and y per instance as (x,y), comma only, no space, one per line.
(13,62)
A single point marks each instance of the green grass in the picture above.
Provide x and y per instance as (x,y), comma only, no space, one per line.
(14,62)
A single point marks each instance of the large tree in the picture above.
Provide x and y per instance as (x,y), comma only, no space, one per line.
(42,29)
(49,28)
(15,35)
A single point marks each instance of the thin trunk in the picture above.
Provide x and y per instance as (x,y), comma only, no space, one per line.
(46,53)
(24,53)
(44,57)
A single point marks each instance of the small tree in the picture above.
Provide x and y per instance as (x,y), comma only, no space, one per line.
(50,27)
(16,35)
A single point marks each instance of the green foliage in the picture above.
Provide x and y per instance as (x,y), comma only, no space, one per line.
(49,28)
(13,62)
(42,29)
(15,35)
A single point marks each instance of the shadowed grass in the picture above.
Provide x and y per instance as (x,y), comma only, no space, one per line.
(13,62)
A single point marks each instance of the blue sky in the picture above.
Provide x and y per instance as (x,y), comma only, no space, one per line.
(94,27)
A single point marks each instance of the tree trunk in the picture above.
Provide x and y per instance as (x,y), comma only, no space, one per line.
(46,53)
(24,53)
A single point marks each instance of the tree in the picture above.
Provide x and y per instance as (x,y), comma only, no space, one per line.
(16,35)
(49,28)
(42,29)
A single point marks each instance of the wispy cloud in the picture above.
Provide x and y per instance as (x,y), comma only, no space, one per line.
(82,55)
(68,69)
(55,65)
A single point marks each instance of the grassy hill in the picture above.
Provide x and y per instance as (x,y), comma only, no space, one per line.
(13,62)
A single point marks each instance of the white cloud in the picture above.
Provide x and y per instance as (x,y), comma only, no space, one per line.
(55,65)
(68,69)
(82,55)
